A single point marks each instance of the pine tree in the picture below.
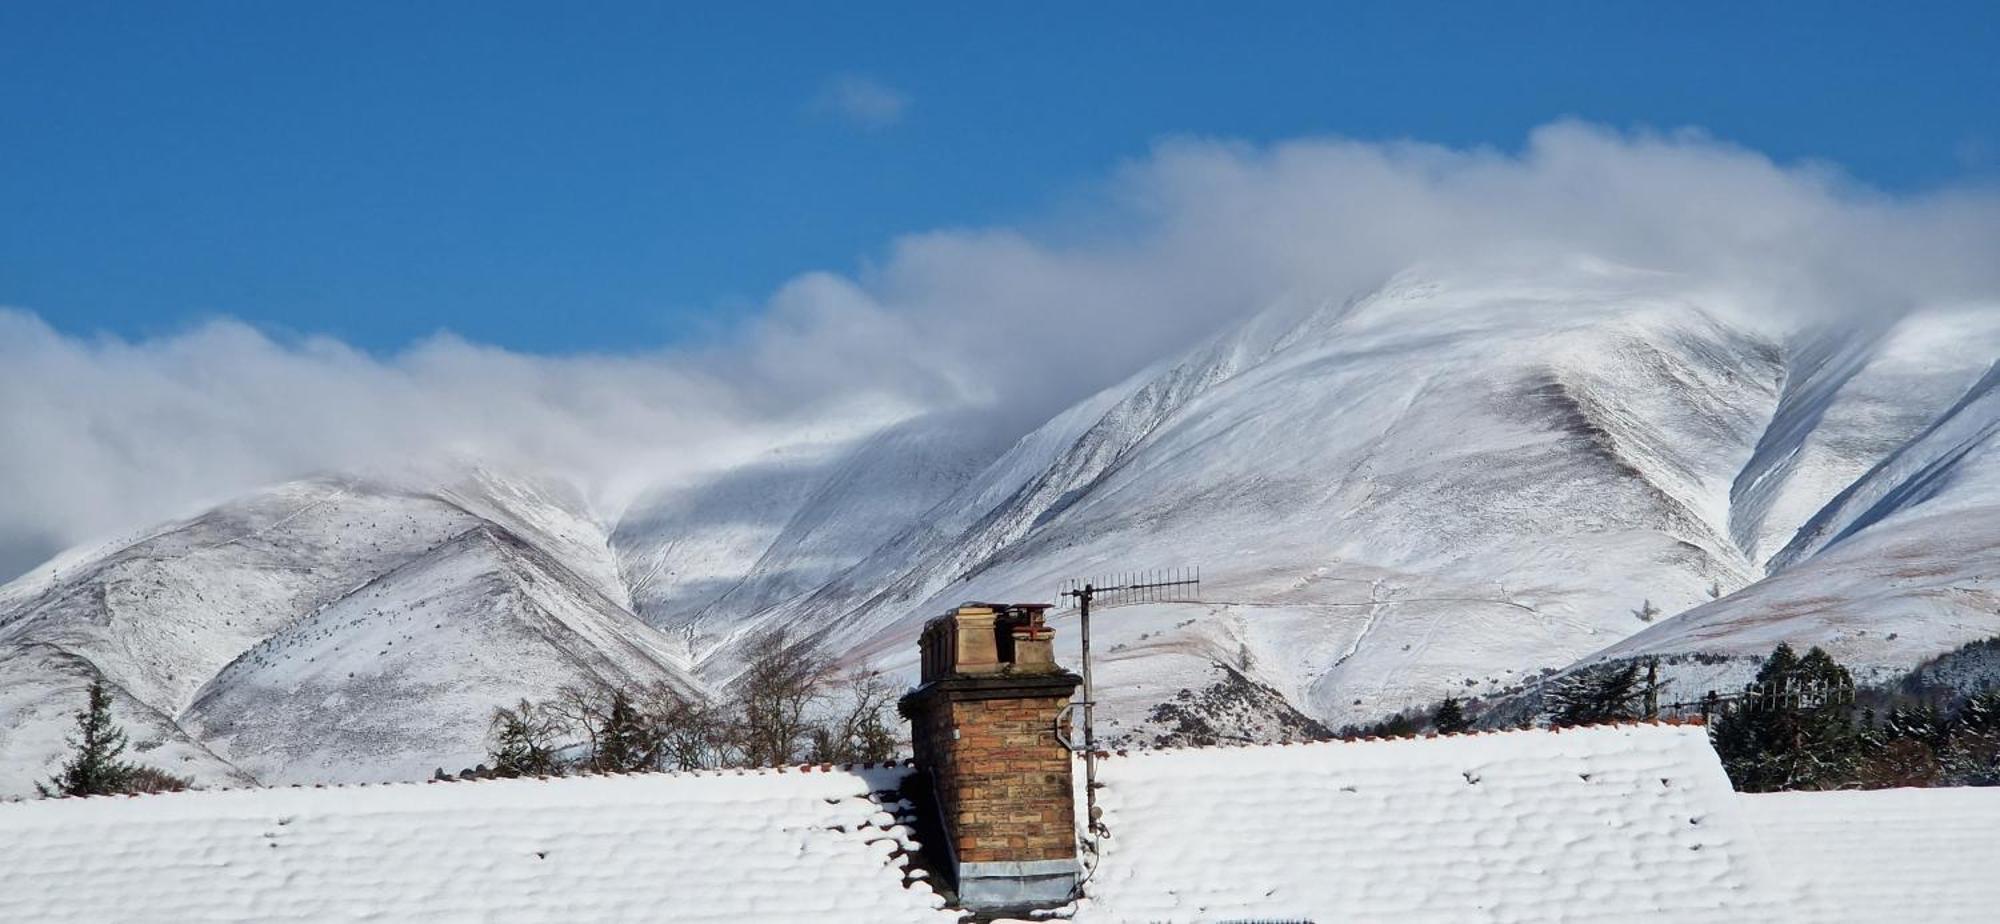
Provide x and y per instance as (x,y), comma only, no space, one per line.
(1399,725)
(1450,718)
(1829,747)
(95,769)
(1921,724)
(1594,696)
(1972,755)
(625,743)
(1981,713)
(1795,729)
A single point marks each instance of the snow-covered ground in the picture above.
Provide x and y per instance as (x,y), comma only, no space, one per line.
(1444,487)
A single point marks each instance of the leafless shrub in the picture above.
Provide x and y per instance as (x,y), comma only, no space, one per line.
(861,731)
(787,705)
(526,740)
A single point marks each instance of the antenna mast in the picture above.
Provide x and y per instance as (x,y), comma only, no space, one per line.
(1174,586)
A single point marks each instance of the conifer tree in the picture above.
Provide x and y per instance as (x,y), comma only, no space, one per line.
(1981,713)
(1605,693)
(94,768)
(1921,724)
(1450,718)
(1795,729)
(1972,756)
(625,742)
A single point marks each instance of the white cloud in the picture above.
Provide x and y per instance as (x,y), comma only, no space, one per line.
(862,101)
(99,435)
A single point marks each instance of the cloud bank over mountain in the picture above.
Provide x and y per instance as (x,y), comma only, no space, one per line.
(99,435)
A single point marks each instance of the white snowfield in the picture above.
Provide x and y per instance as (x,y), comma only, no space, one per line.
(1622,823)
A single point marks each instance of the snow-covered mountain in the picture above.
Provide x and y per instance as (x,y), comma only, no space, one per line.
(1905,556)
(333,629)
(1442,487)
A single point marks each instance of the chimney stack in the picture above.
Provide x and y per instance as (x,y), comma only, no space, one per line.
(983,724)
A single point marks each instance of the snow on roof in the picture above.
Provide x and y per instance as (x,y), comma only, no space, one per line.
(728,847)
(1599,824)
(1889,855)
(1610,823)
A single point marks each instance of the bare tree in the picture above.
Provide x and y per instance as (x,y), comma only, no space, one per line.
(775,695)
(785,706)
(618,733)
(582,709)
(861,732)
(689,733)
(526,740)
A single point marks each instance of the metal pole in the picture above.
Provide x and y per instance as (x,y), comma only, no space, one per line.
(1653,688)
(1089,717)
(1129,589)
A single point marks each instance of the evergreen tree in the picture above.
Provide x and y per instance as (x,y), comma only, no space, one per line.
(1981,713)
(1795,729)
(1829,747)
(1594,696)
(1450,718)
(1400,725)
(626,741)
(1921,724)
(94,769)
(1972,756)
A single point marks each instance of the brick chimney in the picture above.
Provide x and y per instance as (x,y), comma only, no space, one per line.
(983,723)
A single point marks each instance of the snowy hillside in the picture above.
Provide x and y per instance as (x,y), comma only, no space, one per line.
(1442,487)
(702,558)
(1905,557)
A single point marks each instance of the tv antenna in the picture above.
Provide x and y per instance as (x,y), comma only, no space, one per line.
(1177,585)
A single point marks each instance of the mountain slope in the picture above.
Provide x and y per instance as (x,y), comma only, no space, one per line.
(1445,487)
(1439,489)
(704,558)
(401,675)
(1903,562)
(200,627)
(1387,496)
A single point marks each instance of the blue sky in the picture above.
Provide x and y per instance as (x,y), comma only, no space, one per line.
(620,177)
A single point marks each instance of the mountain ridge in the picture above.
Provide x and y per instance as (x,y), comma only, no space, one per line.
(1447,486)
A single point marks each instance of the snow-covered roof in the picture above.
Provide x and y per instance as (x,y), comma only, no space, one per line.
(760,846)
(1601,824)
(1890,855)
(1632,822)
